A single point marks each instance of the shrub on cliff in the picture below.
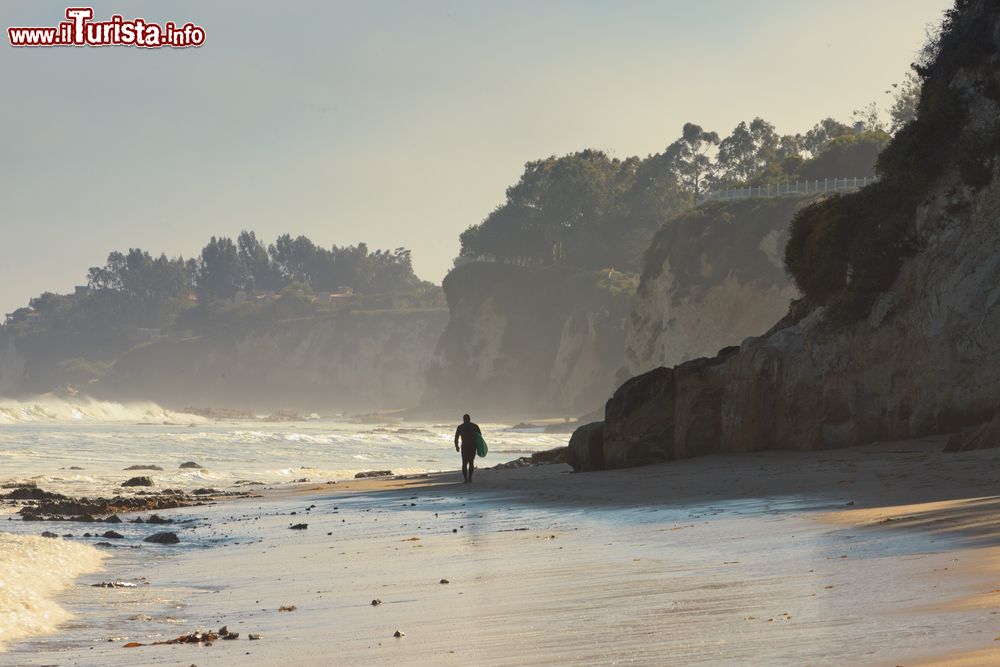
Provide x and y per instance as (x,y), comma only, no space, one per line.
(847,155)
(845,251)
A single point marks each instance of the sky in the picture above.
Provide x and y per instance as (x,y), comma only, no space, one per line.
(393,123)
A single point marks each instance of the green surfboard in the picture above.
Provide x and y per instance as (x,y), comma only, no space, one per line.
(481,447)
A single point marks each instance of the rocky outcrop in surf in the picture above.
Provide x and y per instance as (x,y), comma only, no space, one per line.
(898,334)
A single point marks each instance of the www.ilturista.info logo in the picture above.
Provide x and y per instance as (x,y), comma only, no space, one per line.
(79,30)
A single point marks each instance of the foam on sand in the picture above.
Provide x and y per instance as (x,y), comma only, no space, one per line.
(32,571)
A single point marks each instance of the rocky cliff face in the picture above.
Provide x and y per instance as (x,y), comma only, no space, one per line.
(12,368)
(922,359)
(711,278)
(526,341)
(347,361)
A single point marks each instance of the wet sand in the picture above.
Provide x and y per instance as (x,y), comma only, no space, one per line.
(879,555)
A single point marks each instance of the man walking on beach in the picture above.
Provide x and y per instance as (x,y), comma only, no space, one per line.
(468,432)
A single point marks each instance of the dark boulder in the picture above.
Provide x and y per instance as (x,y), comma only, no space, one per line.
(668,413)
(698,394)
(138,481)
(586,448)
(557,455)
(191,464)
(986,436)
(163,538)
(639,420)
(31,492)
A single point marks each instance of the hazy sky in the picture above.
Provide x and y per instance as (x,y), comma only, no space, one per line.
(395,123)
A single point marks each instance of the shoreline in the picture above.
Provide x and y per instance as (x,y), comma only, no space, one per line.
(631,538)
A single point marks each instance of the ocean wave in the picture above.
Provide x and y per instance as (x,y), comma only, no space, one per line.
(32,570)
(92,458)
(52,408)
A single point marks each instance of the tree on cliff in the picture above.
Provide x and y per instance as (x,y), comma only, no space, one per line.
(905,102)
(747,151)
(583,210)
(554,200)
(854,154)
(511,233)
(220,274)
(137,274)
(138,289)
(824,131)
(260,273)
(691,153)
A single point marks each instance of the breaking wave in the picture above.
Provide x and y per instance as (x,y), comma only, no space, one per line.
(51,408)
(32,571)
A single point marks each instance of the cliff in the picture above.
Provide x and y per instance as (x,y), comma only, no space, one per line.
(899,333)
(711,277)
(12,368)
(528,341)
(362,360)
(347,361)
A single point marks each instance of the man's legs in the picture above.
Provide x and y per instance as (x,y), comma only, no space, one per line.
(468,462)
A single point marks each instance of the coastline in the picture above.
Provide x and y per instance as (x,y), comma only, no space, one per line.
(771,558)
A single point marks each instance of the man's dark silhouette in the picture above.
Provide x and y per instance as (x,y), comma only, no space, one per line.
(468,432)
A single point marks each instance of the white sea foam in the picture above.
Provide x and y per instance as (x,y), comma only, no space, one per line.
(52,408)
(32,571)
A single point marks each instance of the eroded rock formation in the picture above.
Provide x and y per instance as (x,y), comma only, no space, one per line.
(924,354)
(712,277)
(527,341)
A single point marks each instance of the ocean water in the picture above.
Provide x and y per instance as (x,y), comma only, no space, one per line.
(82,447)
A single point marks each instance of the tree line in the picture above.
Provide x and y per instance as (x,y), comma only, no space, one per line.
(225,267)
(588,210)
(135,289)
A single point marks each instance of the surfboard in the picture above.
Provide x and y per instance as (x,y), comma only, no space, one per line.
(481,447)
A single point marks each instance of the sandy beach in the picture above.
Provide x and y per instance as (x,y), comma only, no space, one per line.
(882,555)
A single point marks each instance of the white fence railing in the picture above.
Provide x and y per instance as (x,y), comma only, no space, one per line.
(817,186)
